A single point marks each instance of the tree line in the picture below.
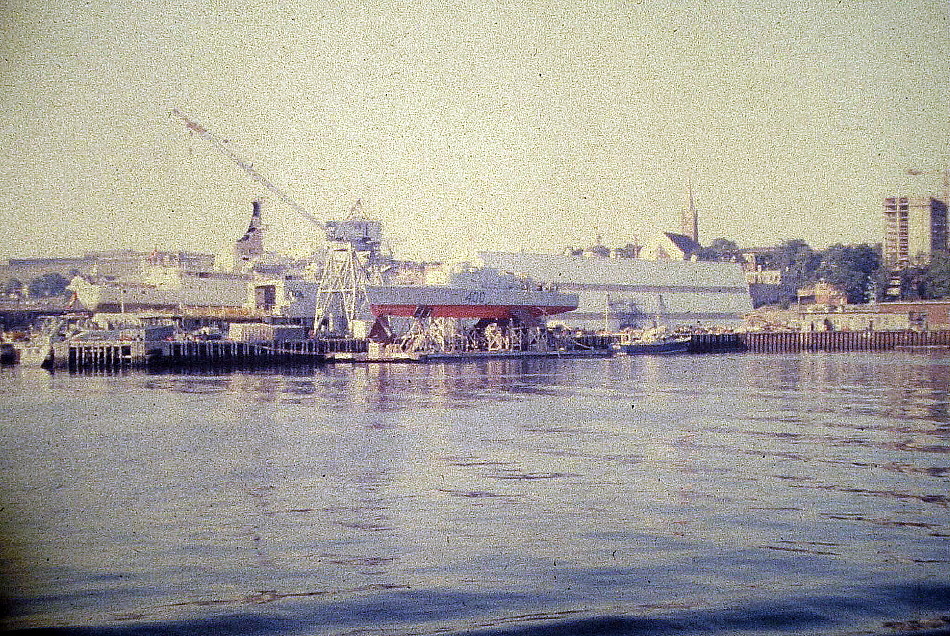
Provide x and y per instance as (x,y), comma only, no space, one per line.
(47,285)
(857,270)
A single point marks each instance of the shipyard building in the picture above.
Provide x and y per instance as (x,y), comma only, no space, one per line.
(616,293)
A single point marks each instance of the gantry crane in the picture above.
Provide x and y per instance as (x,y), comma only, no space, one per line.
(353,251)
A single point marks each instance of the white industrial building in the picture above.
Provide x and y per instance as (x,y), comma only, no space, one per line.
(615,293)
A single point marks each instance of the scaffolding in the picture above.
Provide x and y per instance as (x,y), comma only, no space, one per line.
(427,335)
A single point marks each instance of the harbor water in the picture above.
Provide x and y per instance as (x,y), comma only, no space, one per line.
(707,494)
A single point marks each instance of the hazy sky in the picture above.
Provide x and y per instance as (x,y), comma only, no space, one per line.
(467,124)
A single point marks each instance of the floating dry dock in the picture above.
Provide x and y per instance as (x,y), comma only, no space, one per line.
(224,353)
(78,356)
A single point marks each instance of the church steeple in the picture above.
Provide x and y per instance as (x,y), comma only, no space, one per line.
(689,221)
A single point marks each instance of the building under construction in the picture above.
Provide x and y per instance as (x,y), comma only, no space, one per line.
(915,228)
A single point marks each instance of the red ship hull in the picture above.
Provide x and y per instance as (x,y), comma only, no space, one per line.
(453,302)
(499,312)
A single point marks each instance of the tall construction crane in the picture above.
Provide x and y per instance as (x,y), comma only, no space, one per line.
(352,249)
(943,172)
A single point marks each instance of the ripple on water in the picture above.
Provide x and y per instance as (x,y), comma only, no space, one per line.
(734,494)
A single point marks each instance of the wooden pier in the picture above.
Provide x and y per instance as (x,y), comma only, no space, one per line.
(100,355)
(827,341)
(794,342)
(107,355)
(231,353)
(715,343)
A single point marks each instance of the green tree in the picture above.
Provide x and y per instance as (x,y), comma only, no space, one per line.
(935,278)
(721,249)
(799,265)
(48,285)
(912,283)
(852,269)
(882,283)
(13,287)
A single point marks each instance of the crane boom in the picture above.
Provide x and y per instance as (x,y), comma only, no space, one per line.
(352,257)
(221,145)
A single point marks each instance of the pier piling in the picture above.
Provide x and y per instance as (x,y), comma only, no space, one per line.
(794,342)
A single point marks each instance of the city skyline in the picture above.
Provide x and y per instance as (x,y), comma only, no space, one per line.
(462,127)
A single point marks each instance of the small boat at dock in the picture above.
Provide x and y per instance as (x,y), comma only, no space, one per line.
(652,342)
(37,349)
(36,352)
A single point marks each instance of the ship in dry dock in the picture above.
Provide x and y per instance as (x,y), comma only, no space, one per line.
(473,310)
(480,293)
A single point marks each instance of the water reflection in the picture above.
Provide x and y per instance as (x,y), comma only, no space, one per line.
(483,493)
(380,387)
(913,385)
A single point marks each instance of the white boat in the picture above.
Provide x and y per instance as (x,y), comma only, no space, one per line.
(700,293)
(468,310)
(461,302)
(36,352)
(652,342)
(172,281)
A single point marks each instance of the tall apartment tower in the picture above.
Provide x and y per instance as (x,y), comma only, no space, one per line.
(915,228)
(689,221)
